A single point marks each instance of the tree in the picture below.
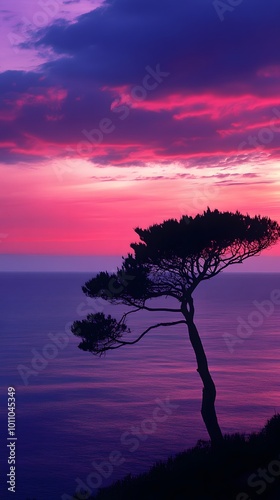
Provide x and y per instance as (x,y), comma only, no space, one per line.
(170,260)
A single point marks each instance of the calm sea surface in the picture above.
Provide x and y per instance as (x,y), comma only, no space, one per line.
(74,409)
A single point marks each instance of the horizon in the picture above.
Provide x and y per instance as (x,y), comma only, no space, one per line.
(97,263)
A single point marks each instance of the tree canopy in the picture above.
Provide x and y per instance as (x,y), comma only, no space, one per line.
(171,259)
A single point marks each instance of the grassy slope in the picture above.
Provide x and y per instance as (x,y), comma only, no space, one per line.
(202,474)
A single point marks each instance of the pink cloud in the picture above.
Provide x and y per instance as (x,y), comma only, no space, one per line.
(195,105)
(51,96)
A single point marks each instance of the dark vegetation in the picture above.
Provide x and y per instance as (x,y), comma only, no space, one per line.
(202,473)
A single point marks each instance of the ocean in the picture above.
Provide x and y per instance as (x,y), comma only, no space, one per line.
(83,421)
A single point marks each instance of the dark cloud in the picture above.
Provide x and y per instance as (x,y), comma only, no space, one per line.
(115,42)
(103,56)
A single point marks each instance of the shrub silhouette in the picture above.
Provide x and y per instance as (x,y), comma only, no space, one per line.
(204,473)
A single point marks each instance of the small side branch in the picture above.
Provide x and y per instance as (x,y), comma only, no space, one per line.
(132,303)
(123,342)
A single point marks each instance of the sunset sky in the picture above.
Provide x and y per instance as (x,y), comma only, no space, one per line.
(123,113)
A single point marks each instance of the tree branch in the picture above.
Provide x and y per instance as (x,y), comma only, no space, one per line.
(123,342)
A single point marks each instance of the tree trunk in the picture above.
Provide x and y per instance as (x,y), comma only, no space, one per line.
(208,410)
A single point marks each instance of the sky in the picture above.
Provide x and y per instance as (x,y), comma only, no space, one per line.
(122,113)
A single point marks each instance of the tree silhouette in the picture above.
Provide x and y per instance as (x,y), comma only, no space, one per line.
(171,260)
